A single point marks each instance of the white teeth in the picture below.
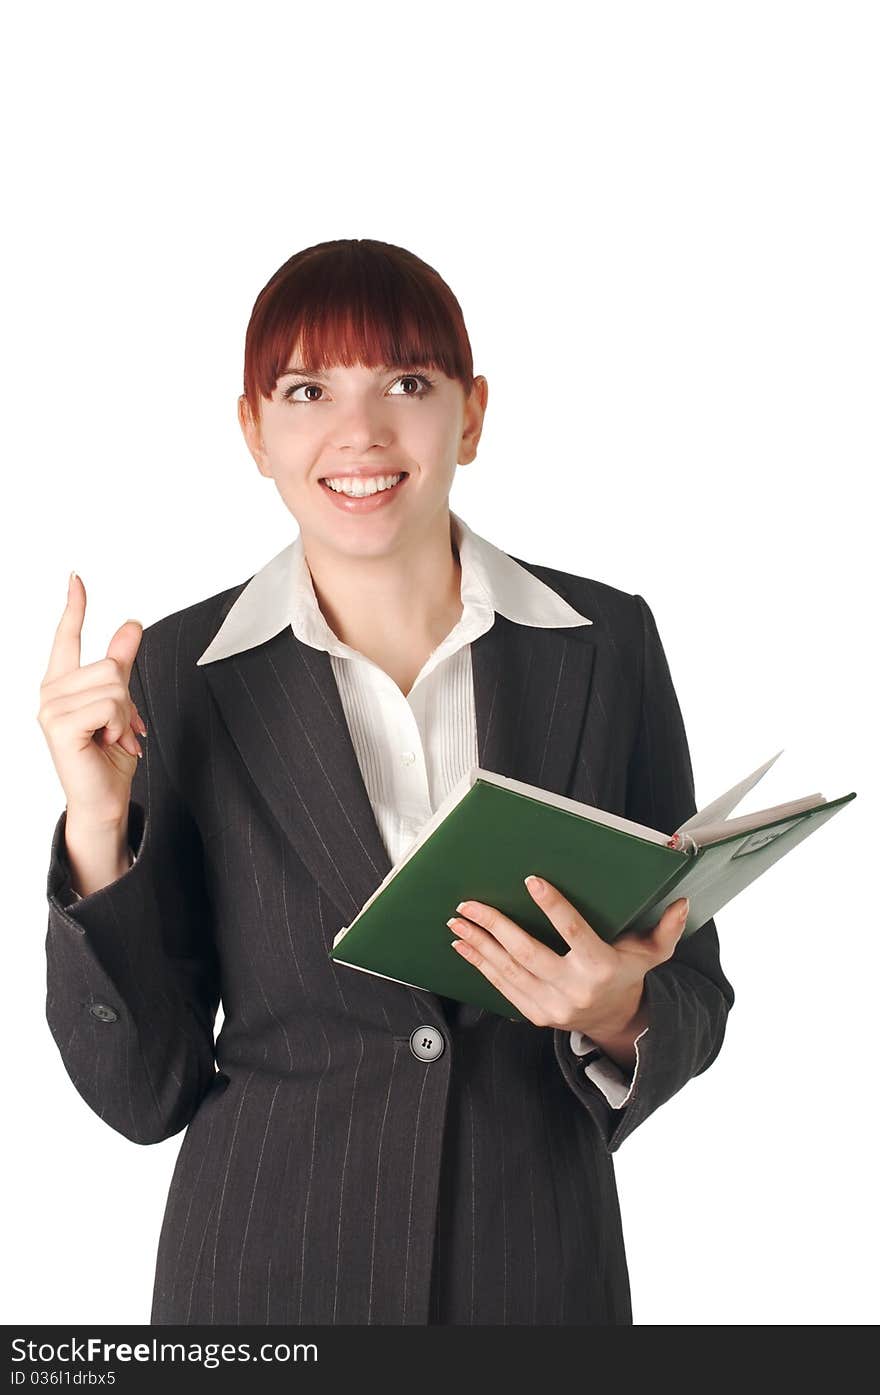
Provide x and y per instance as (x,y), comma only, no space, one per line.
(357,488)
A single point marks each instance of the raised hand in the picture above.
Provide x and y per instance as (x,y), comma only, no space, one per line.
(89,719)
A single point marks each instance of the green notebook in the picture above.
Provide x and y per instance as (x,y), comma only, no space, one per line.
(492,831)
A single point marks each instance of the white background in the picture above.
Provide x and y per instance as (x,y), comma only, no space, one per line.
(661,222)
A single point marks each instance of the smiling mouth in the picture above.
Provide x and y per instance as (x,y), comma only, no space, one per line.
(369,493)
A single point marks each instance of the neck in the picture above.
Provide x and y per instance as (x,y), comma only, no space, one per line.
(404,602)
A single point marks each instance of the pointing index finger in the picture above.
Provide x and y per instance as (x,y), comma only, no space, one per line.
(66,651)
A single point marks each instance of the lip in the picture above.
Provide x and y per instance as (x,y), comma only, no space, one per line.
(370,502)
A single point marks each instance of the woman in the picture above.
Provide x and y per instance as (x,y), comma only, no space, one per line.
(366,1152)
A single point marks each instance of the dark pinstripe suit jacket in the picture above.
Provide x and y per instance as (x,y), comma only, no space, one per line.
(328,1175)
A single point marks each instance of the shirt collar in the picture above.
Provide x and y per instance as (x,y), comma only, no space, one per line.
(282,593)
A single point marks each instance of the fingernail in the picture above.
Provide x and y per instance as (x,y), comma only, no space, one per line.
(534,884)
(70,584)
(683,913)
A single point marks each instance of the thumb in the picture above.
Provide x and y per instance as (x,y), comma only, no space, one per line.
(659,943)
(124,645)
(670,927)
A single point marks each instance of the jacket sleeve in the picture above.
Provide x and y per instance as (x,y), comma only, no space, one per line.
(688,997)
(133,981)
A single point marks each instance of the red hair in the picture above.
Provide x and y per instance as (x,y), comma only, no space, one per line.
(354,300)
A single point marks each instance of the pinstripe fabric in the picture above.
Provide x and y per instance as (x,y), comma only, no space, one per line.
(327,1175)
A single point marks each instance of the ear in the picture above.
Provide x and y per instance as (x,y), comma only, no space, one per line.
(472,425)
(252,434)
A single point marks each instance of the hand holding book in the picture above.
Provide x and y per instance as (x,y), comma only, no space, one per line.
(596,988)
(619,881)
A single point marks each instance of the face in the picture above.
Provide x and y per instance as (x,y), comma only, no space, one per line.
(341,422)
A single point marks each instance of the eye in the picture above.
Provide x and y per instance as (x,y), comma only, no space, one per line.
(427,384)
(421,379)
(295,387)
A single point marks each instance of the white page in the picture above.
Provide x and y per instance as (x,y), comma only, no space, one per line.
(721,807)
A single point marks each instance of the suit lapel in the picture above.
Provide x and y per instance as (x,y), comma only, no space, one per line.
(531,690)
(282,707)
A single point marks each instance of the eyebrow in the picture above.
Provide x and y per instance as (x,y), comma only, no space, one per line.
(316,372)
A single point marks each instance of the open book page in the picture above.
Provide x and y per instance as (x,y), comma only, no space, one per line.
(721,807)
(704,834)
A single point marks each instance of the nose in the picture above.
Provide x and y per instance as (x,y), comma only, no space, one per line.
(360,426)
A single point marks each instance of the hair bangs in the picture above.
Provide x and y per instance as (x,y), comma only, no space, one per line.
(354,301)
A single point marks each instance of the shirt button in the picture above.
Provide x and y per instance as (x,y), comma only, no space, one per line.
(426,1043)
(103,1012)
(408,757)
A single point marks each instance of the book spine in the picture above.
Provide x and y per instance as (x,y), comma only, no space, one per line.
(687,845)
(682,842)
